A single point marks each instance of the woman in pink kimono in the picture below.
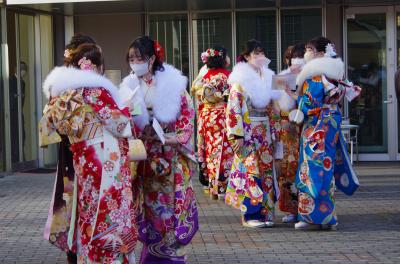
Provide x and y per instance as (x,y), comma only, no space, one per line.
(168,217)
(84,106)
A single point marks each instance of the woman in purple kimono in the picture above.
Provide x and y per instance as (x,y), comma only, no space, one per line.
(156,94)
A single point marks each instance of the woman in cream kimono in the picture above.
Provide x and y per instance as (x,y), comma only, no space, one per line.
(168,218)
(84,107)
(251,132)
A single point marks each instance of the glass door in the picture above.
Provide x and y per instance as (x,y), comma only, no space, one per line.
(397,86)
(369,64)
(22,92)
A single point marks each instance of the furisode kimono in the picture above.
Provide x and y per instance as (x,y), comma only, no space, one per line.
(168,219)
(251,184)
(215,154)
(323,156)
(97,218)
(286,168)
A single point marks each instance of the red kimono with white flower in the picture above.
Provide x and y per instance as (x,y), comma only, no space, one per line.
(101,227)
(214,152)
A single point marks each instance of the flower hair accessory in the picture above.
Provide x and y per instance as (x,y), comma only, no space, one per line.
(330,50)
(67,53)
(86,64)
(210,53)
(159,50)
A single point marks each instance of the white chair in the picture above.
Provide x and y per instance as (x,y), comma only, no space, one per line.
(351,140)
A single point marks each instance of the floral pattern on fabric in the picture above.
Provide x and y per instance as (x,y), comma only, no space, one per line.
(287,166)
(251,183)
(215,154)
(168,220)
(105,228)
(318,143)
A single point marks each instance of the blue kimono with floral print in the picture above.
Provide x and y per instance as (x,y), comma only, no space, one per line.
(323,154)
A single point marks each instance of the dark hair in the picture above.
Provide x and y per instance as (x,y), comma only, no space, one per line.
(75,41)
(319,43)
(90,51)
(287,55)
(145,46)
(216,62)
(250,46)
(298,51)
(79,39)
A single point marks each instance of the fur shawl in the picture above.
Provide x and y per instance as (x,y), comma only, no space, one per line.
(258,89)
(62,79)
(166,98)
(330,67)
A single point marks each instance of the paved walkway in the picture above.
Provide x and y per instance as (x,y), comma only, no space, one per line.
(369,230)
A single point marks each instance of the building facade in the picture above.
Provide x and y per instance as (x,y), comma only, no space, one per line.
(33,35)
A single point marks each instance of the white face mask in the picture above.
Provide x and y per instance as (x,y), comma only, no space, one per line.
(140,69)
(308,56)
(260,61)
(298,61)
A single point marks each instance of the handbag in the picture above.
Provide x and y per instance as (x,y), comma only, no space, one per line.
(137,150)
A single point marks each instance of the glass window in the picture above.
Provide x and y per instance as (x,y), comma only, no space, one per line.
(260,26)
(398,68)
(47,64)
(170,5)
(209,30)
(22,90)
(2,111)
(300,2)
(209,4)
(366,46)
(172,33)
(300,26)
(255,3)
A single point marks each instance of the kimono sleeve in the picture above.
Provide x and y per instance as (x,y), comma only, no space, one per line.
(274,122)
(311,102)
(234,113)
(184,127)
(115,120)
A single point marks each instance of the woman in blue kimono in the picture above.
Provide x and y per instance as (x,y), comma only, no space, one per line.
(320,148)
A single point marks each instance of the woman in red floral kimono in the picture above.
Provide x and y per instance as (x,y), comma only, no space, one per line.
(84,106)
(214,152)
(168,217)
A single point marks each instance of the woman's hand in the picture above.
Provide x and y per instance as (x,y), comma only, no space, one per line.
(237,144)
(292,94)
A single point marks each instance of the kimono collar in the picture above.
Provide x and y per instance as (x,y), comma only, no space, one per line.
(330,67)
(166,98)
(256,87)
(62,79)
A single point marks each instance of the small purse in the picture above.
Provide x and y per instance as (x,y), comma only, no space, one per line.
(137,150)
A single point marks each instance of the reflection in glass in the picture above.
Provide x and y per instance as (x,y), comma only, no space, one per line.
(209,30)
(2,113)
(300,26)
(172,33)
(398,93)
(366,35)
(47,63)
(27,85)
(258,25)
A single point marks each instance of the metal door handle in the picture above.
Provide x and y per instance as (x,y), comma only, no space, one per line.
(387,102)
